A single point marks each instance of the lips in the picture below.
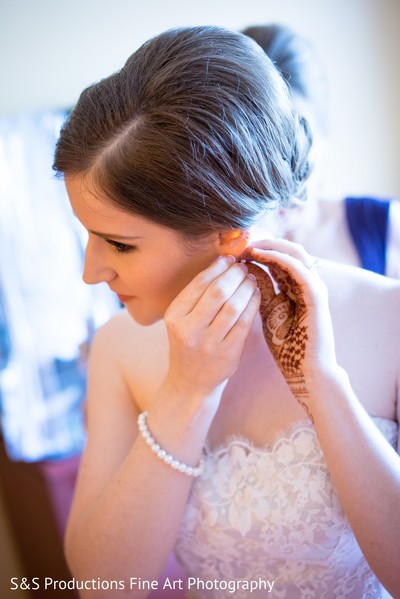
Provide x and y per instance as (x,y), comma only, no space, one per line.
(124,298)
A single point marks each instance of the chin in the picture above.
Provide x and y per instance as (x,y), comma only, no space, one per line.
(145,318)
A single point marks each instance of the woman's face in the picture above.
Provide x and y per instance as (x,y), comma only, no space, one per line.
(145,264)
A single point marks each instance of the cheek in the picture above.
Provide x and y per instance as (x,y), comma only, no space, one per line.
(171,281)
(160,281)
(191,266)
(156,290)
(175,275)
(162,273)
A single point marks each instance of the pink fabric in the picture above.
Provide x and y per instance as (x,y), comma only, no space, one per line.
(60,478)
(174,573)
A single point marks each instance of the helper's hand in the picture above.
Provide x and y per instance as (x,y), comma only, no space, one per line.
(296,320)
(207,324)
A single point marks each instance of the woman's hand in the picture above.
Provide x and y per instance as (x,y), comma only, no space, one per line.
(295,314)
(207,324)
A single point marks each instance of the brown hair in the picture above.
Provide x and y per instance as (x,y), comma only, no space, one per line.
(296,59)
(196,132)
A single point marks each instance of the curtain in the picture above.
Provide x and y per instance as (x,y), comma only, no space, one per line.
(47,314)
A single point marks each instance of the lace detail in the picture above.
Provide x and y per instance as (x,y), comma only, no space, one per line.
(272,514)
(388,428)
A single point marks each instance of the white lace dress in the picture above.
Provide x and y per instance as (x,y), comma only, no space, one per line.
(271,514)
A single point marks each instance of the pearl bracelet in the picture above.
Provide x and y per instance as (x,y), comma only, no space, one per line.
(162,454)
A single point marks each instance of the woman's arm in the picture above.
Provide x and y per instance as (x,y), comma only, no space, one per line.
(365,469)
(129,504)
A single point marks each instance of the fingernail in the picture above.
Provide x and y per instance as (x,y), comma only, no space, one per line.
(251,277)
(226,259)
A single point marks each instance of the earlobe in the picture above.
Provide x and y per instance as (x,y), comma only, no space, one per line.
(233,242)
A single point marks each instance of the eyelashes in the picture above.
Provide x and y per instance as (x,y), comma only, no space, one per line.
(121,248)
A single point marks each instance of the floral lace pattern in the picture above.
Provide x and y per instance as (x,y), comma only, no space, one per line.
(272,513)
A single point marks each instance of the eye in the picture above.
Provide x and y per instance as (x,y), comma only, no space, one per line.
(121,248)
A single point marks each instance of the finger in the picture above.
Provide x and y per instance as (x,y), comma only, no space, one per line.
(285,246)
(218,293)
(238,333)
(264,282)
(187,299)
(292,276)
(232,309)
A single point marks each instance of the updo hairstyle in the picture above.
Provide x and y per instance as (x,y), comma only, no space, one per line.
(196,132)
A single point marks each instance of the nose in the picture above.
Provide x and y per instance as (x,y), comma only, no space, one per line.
(96,269)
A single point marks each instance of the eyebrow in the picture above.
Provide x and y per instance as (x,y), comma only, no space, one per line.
(112,236)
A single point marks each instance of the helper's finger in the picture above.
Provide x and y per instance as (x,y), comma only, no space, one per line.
(284,246)
(264,282)
(292,276)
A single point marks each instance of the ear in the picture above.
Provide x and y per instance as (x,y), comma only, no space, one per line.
(233,242)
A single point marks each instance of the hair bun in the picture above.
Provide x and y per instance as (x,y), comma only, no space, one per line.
(301,163)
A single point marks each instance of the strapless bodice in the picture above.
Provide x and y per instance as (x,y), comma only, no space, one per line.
(272,514)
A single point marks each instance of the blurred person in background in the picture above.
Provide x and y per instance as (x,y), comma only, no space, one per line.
(361,231)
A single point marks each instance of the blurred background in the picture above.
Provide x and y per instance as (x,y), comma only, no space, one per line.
(49,51)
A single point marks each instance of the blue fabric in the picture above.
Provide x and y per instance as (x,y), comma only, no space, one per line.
(367,220)
(5,344)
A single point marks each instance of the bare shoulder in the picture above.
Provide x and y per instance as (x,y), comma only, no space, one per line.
(353,279)
(364,308)
(138,354)
(353,290)
(120,326)
(122,333)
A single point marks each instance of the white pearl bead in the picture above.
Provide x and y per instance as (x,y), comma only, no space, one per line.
(162,454)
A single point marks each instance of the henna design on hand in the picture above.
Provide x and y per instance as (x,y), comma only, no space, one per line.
(283,317)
